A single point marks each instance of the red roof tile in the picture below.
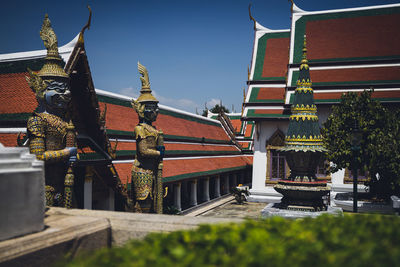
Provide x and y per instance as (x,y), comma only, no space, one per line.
(119,117)
(363,36)
(271,93)
(171,125)
(276,57)
(169,146)
(16,96)
(8,139)
(188,166)
(124,171)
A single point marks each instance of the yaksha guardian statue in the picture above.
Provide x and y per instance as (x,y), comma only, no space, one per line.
(51,137)
(147,190)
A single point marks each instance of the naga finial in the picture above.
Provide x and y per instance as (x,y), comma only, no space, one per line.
(87,26)
(49,37)
(291,6)
(251,17)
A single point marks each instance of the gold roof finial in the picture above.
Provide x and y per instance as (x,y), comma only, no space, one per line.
(145,92)
(251,17)
(87,26)
(291,6)
(53,62)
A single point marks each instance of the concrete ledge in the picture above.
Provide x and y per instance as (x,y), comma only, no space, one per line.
(64,235)
(126,226)
(343,188)
(206,206)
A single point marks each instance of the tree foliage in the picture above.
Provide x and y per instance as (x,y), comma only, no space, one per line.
(216,109)
(380,143)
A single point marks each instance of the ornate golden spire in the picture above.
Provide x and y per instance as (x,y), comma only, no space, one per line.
(145,92)
(53,62)
(304,60)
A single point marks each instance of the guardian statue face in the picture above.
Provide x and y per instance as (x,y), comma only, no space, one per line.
(151,112)
(57,96)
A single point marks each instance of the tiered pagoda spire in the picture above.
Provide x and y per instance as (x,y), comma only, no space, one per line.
(303,149)
(304,133)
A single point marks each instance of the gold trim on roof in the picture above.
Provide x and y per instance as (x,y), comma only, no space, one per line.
(304,117)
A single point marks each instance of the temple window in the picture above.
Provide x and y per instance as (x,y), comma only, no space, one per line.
(277,167)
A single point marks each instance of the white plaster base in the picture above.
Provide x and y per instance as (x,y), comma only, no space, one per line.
(266,194)
(22,196)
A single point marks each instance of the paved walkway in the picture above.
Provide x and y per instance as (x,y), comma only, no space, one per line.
(231,209)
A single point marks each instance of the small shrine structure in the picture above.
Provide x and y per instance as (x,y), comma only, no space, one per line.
(303,149)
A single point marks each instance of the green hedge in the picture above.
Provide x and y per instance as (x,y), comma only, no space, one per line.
(352,240)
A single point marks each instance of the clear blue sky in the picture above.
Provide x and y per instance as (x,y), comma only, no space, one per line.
(196,51)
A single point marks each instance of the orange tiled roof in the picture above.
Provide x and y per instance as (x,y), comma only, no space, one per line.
(16,96)
(189,168)
(123,118)
(8,139)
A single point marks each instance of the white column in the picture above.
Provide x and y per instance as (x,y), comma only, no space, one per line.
(206,189)
(217,187)
(87,189)
(193,192)
(177,196)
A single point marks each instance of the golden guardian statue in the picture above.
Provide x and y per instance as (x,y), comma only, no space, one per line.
(51,137)
(147,190)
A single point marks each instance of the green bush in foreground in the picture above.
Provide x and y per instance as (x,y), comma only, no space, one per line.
(358,240)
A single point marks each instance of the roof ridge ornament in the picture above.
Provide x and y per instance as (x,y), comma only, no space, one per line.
(87,26)
(257,26)
(252,18)
(295,9)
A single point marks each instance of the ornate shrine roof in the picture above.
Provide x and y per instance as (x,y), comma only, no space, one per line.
(349,50)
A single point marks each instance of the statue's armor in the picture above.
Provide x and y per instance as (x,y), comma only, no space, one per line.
(46,134)
(144,168)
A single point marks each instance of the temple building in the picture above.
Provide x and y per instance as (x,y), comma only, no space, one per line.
(348,50)
(202,161)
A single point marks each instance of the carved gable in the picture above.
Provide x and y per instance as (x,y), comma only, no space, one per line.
(277,139)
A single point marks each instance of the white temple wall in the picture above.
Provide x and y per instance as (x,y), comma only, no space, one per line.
(263,131)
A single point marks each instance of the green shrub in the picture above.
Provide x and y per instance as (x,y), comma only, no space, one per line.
(352,240)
